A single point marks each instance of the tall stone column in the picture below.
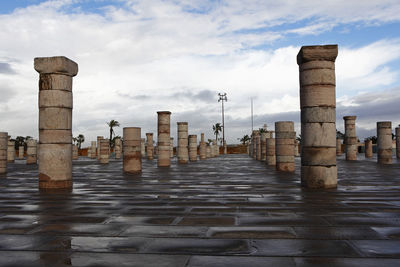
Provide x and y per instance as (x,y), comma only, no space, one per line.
(208,151)
(202,147)
(171,149)
(270,153)
(31,151)
(398,142)
(193,147)
(384,130)
(284,141)
(21,152)
(350,137)
(150,148)
(11,151)
(368,148)
(143,147)
(264,136)
(75,152)
(55,121)
(104,151)
(118,148)
(98,146)
(93,149)
(132,162)
(183,153)
(164,138)
(318,115)
(3,151)
(254,143)
(258,144)
(338,147)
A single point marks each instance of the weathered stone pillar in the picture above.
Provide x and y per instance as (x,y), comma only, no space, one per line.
(318,115)
(254,143)
(3,151)
(143,147)
(264,136)
(21,152)
(296,148)
(171,150)
(384,143)
(214,148)
(368,148)
(338,147)
(11,151)
(270,153)
(208,151)
(398,142)
(93,149)
(98,146)
(183,153)
(132,162)
(118,148)
(149,147)
(164,138)
(31,151)
(193,147)
(350,137)
(104,151)
(284,141)
(202,148)
(258,144)
(55,121)
(75,153)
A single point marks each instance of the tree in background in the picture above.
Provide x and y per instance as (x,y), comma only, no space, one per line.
(217,129)
(245,139)
(79,140)
(112,124)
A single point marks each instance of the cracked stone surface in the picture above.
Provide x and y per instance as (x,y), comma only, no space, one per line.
(225,211)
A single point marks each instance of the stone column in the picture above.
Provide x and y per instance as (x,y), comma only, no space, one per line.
(118,148)
(164,138)
(193,147)
(284,141)
(98,146)
(149,148)
(398,142)
(11,151)
(202,148)
(21,152)
(384,143)
(338,147)
(75,153)
(258,144)
(3,151)
(350,138)
(270,153)
(55,121)
(143,147)
(31,152)
(132,162)
(214,148)
(183,153)
(368,148)
(93,149)
(254,143)
(208,151)
(318,115)
(296,148)
(171,150)
(104,151)
(264,136)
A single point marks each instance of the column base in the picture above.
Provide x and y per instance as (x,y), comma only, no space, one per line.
(285,166)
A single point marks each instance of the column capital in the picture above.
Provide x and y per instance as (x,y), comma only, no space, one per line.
(317,52)
(55,65)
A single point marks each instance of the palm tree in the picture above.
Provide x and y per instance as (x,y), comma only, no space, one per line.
(112,124)
(19,141)
(74,140)
(339,135)
(209,141)
(217,129)
(245,139)
(80,139)
(262,130)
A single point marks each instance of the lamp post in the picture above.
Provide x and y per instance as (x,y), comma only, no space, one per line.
(222,98)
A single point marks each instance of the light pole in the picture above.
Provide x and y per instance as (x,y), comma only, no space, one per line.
(222,98)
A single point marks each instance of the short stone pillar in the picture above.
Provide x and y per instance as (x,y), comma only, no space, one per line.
(270,153)
(338,147)
(75,152)
(318,115)
(368,148)
(21,152)
(296,148)
(31,151)
(214,148)
(258,144)
(183,153)
(3,151)
(98,146)
(143,147)
(164,139)
(171,148)
(284,141)
(384,143)
(132,162)
(397,142)
(350,137)
(55,121)
(118,148)
(93,149)
(11,151)
(104,151)
(202,148)
(193,147)
(208,151)
(264,136)
(150,147)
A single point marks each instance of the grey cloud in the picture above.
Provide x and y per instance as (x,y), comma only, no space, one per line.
(6,93)
(5,68)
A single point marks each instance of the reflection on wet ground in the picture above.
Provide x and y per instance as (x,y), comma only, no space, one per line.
(226,211)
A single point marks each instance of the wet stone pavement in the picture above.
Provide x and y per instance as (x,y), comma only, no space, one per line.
(226,211)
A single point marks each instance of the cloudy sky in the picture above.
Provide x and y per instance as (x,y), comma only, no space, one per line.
(141,56)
